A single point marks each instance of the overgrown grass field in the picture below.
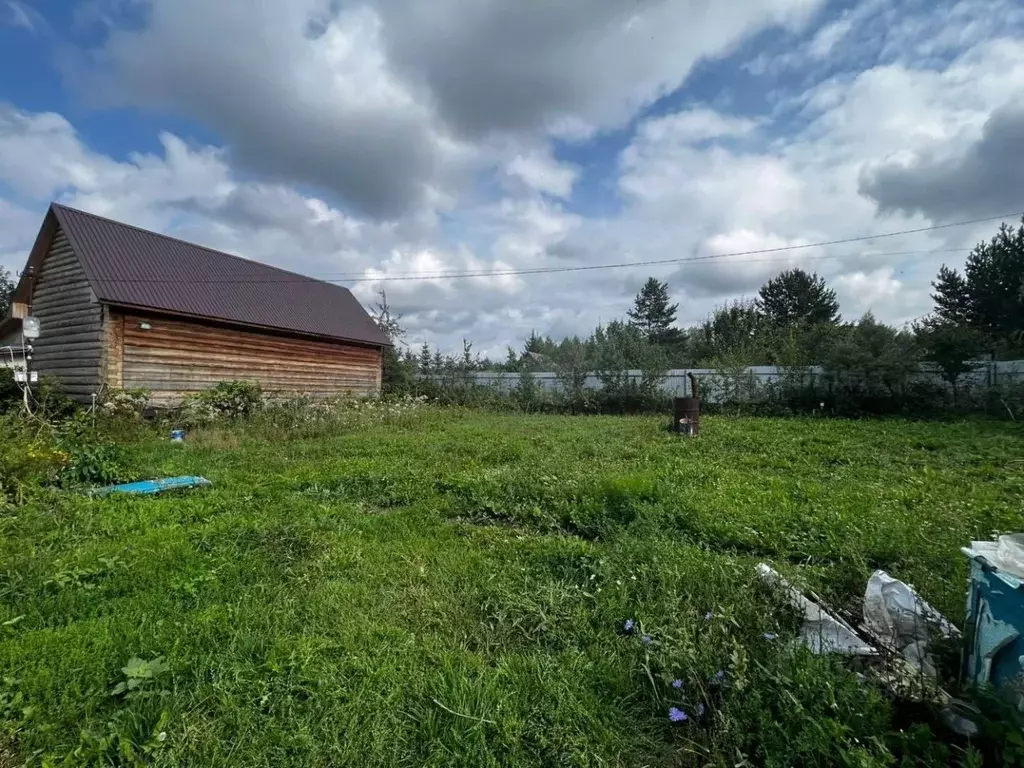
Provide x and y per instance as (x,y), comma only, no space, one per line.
(449,588)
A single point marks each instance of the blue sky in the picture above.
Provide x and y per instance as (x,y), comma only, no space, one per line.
(407,139)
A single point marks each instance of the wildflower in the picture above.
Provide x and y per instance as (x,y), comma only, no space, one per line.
(647,640)
(677,683)
(720,675)
(677,715)
(769,636)
(700,710)
(708,616)
(628,626)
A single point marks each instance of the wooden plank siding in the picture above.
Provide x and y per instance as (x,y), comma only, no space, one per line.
(175,358)
(70,319)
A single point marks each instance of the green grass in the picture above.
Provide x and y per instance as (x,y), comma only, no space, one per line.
(450,589)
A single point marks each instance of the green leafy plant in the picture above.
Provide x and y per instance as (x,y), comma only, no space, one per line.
(137,729)
(126,402)
(233,399)
(140,675)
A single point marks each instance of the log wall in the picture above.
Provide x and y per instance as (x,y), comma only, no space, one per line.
(70,319)
(175,358)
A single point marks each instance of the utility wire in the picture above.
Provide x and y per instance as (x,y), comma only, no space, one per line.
(616,265)
(514,272)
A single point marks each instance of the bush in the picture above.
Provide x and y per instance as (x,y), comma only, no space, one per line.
(10,393)
(52,402)
(126,402)
(231,399)
(49,397)
(29,457)
(91,458)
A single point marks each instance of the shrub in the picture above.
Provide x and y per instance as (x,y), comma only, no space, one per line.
(94,464)
(29,456)
(91,459)
(126,402)
(10,393)
(52,402)
(231,399)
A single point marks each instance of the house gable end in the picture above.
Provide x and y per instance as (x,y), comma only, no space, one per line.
(58,293)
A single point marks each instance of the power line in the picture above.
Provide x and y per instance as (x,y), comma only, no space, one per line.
(516,272)
(550,270)
(616,265)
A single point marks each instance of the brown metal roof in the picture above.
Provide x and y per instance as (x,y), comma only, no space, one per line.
(133,267)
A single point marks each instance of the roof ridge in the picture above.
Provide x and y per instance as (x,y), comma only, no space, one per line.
(189,243)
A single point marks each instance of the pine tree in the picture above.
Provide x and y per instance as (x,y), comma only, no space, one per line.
(534,344)
(425,359)
(511,359)
(396,376)
(989,295)
(652,314)
(794,297)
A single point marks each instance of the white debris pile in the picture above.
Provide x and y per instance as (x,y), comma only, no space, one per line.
(902,621)
(821,631)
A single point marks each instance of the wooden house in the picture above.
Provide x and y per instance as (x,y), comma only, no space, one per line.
(121,307)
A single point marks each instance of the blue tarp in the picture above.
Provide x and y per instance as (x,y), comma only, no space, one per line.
(156,486)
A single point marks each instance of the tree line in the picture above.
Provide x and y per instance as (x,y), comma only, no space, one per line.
(793,322)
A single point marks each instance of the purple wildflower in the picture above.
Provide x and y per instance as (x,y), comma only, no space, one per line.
(677,683)
(769,636)
(628,626)
(677,715)
(700,710)
(708,616)
(647,639)
(720,675)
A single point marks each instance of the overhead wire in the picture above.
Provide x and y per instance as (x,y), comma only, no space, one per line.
(363,277)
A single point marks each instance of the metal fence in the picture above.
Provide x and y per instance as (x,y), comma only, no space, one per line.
(714,382)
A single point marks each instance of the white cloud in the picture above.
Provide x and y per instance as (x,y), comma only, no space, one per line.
(17,14)
(388,140)
(695,125)
(381,102)
(542,173)
(829,36)
(877,292)
(804,186)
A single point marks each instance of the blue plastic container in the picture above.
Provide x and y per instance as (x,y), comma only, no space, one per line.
(177,435)
(994,632)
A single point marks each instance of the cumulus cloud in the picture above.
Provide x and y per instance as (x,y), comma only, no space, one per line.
(860,292)
(315,106)
(500,66)
(542,173)
(985,179)
(384,140)
(362,100)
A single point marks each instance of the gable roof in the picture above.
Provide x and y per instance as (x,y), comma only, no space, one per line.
(133,267)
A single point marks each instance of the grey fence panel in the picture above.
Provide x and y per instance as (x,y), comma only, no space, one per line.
(733,384)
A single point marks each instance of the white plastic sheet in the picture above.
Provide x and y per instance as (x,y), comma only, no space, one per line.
(897,616)
(821,631)
(1006,554)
